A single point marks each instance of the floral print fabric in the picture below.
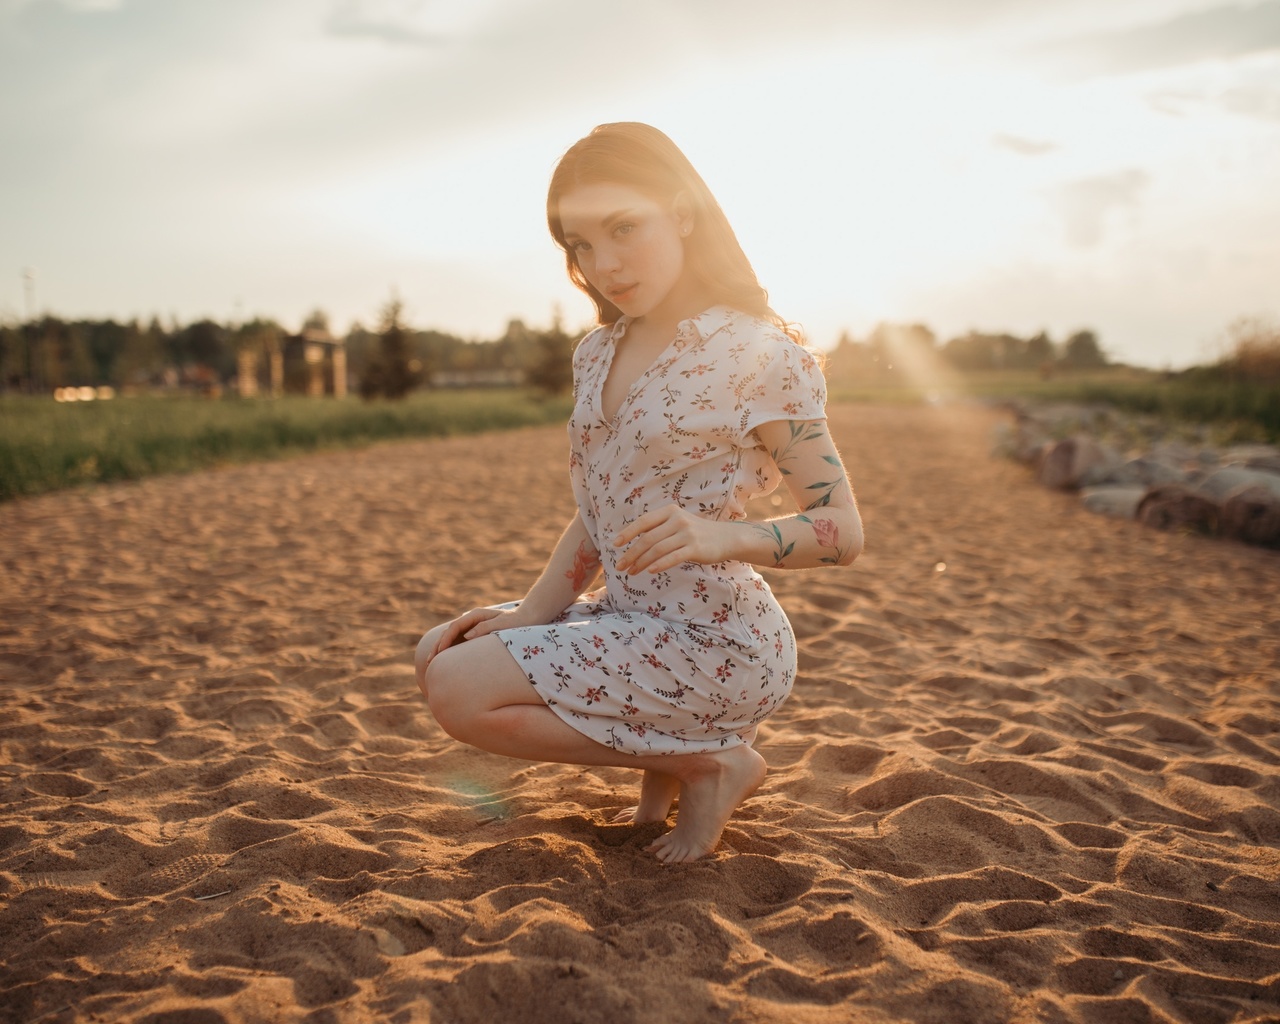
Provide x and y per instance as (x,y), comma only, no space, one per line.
(686,660)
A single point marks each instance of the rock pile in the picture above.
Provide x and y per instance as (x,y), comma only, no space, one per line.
(1128,467)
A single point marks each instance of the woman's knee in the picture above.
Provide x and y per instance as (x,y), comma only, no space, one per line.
(445,685)
(422,656)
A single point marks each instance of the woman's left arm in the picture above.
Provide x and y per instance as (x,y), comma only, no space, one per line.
(827,532)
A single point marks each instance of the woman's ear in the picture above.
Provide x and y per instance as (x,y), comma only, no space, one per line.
(682,210)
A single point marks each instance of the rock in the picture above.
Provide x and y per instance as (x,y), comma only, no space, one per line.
(1221,482)
(1252,514)
(1175,507)
(1121,502)
(1256,456)
(1267,463)
(1099,467)
(1148,471)
(1069,464)
(1029,437)
(1172,453)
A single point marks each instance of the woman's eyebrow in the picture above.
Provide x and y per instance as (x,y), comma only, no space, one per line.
(605,221)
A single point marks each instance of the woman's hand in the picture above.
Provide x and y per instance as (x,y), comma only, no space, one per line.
(468,626)
(668,536)
(472,624)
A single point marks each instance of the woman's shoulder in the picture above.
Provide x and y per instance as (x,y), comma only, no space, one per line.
(764,339)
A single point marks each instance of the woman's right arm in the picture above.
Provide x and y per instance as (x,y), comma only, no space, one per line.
(573,565)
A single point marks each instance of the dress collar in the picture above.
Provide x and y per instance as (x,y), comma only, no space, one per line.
(701,326)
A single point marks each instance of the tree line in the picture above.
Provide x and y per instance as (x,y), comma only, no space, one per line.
(393,358)
(47,353)
(894,351)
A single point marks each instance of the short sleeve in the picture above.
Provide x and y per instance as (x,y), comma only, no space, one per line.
(787,385)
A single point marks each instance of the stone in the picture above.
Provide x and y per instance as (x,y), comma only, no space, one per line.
(1248,454)
(1148,471)
(1172,453)
(1252,514)
(1266,463)
(1029,438)
(1221,482)
(1120,502)
(1178,508)
(1099,466)
(1066,465)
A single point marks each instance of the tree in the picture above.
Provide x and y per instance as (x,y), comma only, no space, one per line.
(1082,352)
(1039,351)
(203,346)
(141,355)
(552,368)
(391,372)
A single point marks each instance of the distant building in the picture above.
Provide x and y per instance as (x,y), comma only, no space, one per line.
(312,362)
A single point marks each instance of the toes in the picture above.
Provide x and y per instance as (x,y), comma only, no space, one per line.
(659,845)
(671,849)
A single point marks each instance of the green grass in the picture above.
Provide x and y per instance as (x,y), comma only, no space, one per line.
(46,446)
(1237,410)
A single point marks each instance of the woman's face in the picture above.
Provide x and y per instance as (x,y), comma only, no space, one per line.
(630,247)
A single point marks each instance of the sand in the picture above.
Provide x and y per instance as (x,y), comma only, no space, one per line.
(1029,772)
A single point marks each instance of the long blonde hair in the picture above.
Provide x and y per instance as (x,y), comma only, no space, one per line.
(641,157)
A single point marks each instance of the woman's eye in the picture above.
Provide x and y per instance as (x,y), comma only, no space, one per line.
(625,228)
(581,246)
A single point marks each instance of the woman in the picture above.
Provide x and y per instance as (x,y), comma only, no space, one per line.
(692,397)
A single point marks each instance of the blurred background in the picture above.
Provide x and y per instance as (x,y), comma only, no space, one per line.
(967,165)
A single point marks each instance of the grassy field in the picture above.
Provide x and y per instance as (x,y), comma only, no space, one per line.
(1236,410)
(46,446)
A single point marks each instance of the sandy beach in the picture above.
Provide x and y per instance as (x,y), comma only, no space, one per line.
(1030,771)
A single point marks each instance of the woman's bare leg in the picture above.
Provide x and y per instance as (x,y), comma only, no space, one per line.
(423,655)
(480,696)
(658,791)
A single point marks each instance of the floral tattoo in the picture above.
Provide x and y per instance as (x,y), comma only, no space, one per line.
(801,431)
(586,563)
(780,550)
(828,536)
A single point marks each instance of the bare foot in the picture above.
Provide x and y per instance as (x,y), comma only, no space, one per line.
(708,798)
(658,792)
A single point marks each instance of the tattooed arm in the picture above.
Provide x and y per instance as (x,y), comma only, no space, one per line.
(827,532)
(829,529)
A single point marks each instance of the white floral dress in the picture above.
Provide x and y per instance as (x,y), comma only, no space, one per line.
(686,660)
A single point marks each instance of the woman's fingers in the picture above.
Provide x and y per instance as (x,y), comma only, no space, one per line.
(640,543)
(663,553)
(658,541)
(458,628)
(482,628)
(643,524)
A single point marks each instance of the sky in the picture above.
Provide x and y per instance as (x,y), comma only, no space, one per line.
(993,165)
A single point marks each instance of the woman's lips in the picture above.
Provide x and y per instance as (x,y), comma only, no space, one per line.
(616,294)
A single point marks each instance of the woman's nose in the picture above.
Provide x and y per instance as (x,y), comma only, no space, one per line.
(607,261)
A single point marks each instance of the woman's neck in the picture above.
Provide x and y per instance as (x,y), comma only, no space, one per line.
(687,299)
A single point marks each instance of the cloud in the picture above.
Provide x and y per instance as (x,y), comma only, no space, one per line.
(412,22)
(10,8)
(1254,101)
(1023,147)
(389,25)
(1254,93)
(1221,33)
(1084,204)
